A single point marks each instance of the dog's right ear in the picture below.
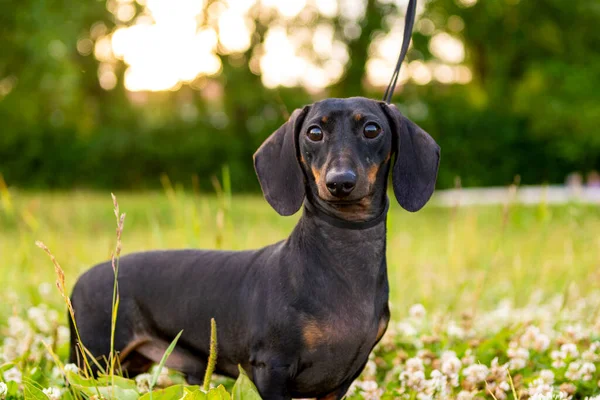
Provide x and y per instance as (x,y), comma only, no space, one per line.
(278,169)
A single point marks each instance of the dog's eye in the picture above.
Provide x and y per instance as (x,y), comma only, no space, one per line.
(371,130)
(315,134)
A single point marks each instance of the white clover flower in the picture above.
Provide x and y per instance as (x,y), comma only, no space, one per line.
(424,356)
(547,376)
(415,380)
(573,371)
(446,354)
(542,397)
(558,359)
(497,379)
(417,311)
(164,379)
(45,288)
(517,352)
(528,337)
(455,331)
(587,371)
(591,354)
(143,382)
(370,368)
(369,389)
(52,393)
(10,349)
(13,374)
(439,380)
(468,358)
(517,363)
(17,327)
(534,339)
(466,395)
(476,373)
(406,329)
(71,368)
(414,364)
(576,332)
(518,356)
(3,390)
(569,350)
(580,371)
(542,342)
(368,385)
(499,389)
(451,368)
(56,373)
(38,316)
(36,349)
(63,335)
(498,372)
(539,386)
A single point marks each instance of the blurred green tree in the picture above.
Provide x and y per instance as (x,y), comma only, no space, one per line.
(531,107)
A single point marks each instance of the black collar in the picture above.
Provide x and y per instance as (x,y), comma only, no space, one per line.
(344,224)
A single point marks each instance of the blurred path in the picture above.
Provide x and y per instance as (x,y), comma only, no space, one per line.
(556,194)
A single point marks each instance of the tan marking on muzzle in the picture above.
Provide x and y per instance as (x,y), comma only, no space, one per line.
(319,175)
(372,173)
(316,174)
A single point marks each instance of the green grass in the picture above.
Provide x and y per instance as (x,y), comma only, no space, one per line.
(444,258)
(461,263)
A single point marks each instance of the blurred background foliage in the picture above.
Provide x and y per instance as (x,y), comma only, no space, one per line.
(112,94)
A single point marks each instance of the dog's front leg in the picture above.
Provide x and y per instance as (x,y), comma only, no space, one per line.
(271,378)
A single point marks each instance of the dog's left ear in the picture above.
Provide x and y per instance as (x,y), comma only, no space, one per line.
(278,169)
(417,160)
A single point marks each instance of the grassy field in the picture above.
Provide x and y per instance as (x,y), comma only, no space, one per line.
(456,263)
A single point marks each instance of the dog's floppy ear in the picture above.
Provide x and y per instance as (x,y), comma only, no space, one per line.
(278,169)
(417,160)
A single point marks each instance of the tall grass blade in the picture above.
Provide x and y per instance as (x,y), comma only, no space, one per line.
(5,197)
(116,255)
(60,284)
(227,186)
(512,386)
(212,358)
(161,365)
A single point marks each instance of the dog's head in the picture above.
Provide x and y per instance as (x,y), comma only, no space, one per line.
(338,152)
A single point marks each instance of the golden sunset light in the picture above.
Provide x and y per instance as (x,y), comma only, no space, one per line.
(171,43)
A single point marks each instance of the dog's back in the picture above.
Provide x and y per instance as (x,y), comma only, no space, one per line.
(212,284)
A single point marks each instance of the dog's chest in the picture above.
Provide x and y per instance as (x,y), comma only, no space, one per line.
(336,348)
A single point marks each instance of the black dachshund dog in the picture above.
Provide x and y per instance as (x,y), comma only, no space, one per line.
(302,315)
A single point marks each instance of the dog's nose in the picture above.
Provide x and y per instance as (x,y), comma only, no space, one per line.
(340,183)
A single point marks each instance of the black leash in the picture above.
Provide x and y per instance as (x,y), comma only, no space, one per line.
(409,21)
